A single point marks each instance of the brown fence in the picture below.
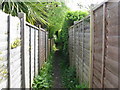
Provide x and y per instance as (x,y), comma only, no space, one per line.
(23,51)
(105,45)
(79,48)
(103,57)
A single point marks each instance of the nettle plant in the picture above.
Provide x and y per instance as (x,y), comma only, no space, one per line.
(16,43)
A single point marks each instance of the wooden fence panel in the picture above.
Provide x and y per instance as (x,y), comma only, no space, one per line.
(105,50)
(42,47)
(20,48)
(15,59)
(3,50)
(103,55)
(111,58)
(86,50)
(97,61)
(79,49)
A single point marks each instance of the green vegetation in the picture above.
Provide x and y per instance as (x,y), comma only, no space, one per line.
(71,16)
(45,78)
(34,10)
(69,79)
(15,44)
(56,15)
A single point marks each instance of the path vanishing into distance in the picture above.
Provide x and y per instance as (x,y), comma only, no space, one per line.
(56,71)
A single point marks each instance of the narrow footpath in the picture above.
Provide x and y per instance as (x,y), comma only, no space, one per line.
(56,71)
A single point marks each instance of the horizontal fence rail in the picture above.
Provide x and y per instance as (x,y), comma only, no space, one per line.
(24,49)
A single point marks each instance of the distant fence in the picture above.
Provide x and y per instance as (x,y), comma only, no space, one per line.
(100,53)
(79,48)
(23,50)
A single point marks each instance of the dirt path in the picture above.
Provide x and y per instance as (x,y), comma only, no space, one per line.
(56,71)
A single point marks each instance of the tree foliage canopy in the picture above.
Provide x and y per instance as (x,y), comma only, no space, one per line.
(34,11)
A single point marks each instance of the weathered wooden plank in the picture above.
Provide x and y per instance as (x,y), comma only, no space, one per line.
(32,55)
(97,82)
(27,58)
(113,79)
(111,65)
(112,53)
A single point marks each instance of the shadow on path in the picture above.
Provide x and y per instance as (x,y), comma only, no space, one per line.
(56,71)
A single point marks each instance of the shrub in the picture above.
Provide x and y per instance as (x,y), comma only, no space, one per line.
(69,21)
(69,79)
(45,78)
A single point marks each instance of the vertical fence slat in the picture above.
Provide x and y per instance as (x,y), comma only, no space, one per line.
(30,54)
(103,47)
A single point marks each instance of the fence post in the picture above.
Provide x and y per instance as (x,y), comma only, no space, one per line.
(39,31)
(91,47)
(82,49)
(8,52)
(103,46)
(46,45)
(22,17)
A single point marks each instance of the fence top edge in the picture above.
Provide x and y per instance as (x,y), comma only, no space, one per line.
(102,3)
(42,29)
(80,21)
(28,24)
